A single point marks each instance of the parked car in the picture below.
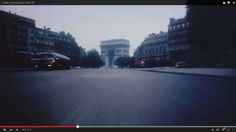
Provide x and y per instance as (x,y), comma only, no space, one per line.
(181,64)
(50,60)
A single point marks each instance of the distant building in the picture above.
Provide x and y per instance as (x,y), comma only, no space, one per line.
(66,45)
(154,47)
(44,40)
(40,41)
(112,49)
(171,46)
(178,42)
(20,38)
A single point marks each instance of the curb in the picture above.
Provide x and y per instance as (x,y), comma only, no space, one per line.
(192,74)
(16,69)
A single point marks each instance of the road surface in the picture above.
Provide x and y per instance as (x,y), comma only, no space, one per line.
(120,97)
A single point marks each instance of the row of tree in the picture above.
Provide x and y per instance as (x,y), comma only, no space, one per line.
(125,62)
(91,60)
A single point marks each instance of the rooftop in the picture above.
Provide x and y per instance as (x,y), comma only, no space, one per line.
(19,17)
(114,42)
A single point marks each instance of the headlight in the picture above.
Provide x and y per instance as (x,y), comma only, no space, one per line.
(53,61)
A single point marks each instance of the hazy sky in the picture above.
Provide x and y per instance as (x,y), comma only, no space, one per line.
(91,24)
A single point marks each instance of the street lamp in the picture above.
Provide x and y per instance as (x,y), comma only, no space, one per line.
(142,63)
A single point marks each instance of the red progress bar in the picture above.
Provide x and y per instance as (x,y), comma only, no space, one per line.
(38,126)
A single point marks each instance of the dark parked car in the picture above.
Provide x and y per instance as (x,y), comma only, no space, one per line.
(181,64)
(51,60)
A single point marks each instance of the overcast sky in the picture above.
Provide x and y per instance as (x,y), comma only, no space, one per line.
(91,24)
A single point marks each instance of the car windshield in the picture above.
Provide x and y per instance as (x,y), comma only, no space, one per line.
(44,56)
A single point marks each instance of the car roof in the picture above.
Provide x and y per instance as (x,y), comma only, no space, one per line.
(55,54)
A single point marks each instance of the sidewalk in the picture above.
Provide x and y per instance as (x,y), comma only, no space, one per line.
(225,72)
(15,69)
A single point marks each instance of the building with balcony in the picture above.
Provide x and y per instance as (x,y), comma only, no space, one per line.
(112,49)
(40,40)
(20,39)
(171,46)
(45,40)
(154,47)
(178,42)
(14,34)
(65,44)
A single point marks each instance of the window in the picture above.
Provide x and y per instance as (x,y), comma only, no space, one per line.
(125,51)
(103,51)
(176,48)
(146,51)
(178,26)
(187,24)
(164,50)
(118,50)
(150,51)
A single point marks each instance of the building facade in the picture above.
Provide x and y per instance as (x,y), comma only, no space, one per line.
(172,46)
(178,42)
(45,40)
(65,44)
(154,47)
(14,37)
(20,39)
(40,41)
(112,49)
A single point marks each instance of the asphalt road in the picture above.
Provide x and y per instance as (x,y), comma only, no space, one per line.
(91,97)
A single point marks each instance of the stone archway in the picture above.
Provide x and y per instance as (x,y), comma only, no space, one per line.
(111,56)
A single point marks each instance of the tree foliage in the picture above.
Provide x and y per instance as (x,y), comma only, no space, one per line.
(92,60)
(125,61)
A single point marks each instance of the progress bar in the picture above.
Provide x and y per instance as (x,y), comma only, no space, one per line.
(39,126)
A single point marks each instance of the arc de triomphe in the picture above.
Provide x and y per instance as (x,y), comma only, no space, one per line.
(112,49)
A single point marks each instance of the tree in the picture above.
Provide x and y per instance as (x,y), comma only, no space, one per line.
(78,55)
(124,61)
(212,32)
(92,60)
(131,62)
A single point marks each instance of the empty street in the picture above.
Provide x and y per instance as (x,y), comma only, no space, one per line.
(117,97)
